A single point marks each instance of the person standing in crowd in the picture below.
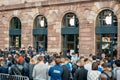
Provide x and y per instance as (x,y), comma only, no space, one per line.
(56,71)
(46,56)
(117,69)
(68,64)
(9,62)
(50,64)
(80,73)
(90,56)
(82,59)
(22,51)
(6,51)
(61,54)
(106,74)
(12,50)
(99,65)
(21,58)
(88,64)
(40,70)
(31,66)
(68,55)
(94,58)
(26,66)
(66,72)
(94,73)
(30,51)
(74,67)
(16,69)
(74,57)
(3,67)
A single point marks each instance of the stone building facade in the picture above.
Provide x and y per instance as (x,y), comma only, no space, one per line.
(54,11)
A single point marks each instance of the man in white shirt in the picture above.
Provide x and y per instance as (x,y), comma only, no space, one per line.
(88,64)
(40,71)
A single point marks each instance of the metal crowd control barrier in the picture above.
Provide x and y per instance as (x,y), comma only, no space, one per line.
(12,77)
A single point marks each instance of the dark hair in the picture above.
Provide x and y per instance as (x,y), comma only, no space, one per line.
(81,57)
(50,60)
(90,55)
(86,59)
(57,60)
(98,62)
(94,66)
(117,62)
(14,61)
(27,59)
(104,65)
(94,57)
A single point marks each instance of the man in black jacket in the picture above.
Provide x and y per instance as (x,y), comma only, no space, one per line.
(16,69)
(81,73)
(66,72)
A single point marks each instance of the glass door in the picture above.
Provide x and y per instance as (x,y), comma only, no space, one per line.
(16,41)
(106,43)
(70,43)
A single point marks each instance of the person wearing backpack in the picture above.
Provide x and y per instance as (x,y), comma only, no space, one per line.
(81,72)
(106,74)
(3,67)
(16,68)
(66,72)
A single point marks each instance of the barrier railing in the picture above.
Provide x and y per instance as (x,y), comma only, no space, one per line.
(12,77)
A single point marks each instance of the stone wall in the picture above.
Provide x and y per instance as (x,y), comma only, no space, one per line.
(14,2)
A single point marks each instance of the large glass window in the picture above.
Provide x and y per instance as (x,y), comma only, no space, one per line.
(70,20)
(40,21)
(70,33)
(40,32)
(106,18)
(16,41)
(106,33)
(15,32)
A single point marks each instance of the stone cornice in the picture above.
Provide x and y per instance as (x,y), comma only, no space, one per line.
(27,5)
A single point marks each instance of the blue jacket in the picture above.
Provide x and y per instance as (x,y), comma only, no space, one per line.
(56,72)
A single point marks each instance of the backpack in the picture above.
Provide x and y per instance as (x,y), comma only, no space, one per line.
(74,68)
(15,71)
(108,77)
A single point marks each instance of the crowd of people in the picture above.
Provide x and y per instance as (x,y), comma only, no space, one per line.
(43,65)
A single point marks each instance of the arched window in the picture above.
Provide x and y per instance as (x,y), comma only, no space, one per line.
(70,20)
(40,33)
(70,33)
(40,21)
(15,23)
(106,18)
(106,33)
(15,32)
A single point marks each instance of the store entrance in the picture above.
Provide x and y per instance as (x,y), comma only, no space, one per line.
(106,33)
(107,44)
(70,43)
